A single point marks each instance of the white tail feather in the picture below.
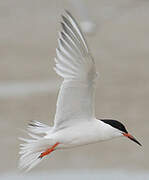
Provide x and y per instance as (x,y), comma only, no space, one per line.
(32,148)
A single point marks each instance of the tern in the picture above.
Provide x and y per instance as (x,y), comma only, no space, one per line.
(75,123)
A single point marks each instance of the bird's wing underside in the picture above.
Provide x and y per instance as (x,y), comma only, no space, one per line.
(75,64)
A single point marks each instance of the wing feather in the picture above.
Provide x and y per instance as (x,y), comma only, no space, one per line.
(75,64)
(61,56)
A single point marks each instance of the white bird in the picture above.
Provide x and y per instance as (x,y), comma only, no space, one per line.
(75,123)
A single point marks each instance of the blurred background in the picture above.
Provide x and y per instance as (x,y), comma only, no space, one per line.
(117,32)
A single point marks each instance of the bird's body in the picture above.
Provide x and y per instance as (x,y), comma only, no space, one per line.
(75,123)
(82,134)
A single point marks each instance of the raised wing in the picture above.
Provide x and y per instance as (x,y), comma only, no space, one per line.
(75,64)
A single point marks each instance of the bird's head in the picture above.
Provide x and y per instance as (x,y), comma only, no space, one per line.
(121,128)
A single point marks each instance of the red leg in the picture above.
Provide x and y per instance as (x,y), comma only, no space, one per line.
(48,151)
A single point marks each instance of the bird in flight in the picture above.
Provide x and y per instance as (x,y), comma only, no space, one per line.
(75,123)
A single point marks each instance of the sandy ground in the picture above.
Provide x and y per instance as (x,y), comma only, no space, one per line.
(29,86)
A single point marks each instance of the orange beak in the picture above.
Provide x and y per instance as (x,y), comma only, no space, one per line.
(131,137)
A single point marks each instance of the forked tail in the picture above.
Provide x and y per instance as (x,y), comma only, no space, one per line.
(31,149)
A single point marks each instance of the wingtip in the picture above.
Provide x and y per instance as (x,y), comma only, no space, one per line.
(63,16)
(67,12)
(67,15)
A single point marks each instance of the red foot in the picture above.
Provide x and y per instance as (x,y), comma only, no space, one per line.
(48,151)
